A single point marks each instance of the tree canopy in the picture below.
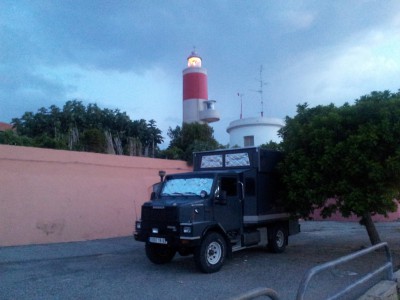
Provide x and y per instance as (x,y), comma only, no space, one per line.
(189,138)
(85,128)
(344,159)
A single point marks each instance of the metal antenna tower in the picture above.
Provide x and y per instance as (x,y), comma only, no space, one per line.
(241,104)
(260,91)
(262,83)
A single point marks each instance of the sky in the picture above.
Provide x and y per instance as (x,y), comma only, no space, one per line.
(129,55)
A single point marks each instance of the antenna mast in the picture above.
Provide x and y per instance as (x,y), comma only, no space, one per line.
(241,104)
(262,83)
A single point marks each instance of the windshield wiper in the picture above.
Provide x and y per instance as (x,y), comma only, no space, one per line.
(190,193)
(178,194)
(172,194)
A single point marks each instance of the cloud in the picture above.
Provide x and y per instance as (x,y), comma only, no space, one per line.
(298,20)
(365,62)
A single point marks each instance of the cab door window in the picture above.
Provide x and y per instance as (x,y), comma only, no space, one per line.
(229,185)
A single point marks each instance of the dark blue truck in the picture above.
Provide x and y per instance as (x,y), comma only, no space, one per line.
(231,201)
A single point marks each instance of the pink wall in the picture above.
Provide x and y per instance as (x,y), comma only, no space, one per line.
(394,216)
(49,196)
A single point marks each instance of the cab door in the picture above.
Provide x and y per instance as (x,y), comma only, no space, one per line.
(228,203)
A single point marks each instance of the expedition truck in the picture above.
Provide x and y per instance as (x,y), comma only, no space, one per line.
(229,202)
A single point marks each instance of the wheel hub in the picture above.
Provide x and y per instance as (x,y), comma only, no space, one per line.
(280,239)
(214,253)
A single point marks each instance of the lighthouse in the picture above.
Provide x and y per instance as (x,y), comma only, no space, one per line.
(196,105)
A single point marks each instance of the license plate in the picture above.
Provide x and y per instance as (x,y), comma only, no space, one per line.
(157,240)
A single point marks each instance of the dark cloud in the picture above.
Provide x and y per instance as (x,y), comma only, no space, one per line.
(135,35)
(293,40)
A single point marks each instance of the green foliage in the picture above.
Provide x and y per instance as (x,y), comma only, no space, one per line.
(83,128)
(94,140)
(9,137)
(45,141)
(348,154)
(172,153)
(271,145)
(189,138)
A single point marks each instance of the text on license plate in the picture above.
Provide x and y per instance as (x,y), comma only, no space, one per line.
(157,240)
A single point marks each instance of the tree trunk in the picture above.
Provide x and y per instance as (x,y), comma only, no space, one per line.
(371,229)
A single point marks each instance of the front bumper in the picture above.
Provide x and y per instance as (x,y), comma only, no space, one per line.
(183,234)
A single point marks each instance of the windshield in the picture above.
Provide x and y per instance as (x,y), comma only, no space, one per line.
(187,186)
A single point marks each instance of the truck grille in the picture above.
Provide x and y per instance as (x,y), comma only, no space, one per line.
(167,214)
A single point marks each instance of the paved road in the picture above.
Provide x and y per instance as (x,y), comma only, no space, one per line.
(118,268)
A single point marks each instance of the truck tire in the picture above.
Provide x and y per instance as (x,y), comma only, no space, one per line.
(159,254)
(277,240)
(210,255)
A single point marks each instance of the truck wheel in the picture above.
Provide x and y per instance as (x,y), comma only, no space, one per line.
(277,240)
(210,255)
(159,254)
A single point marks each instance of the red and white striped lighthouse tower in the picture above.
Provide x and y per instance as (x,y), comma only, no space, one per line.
(196,106)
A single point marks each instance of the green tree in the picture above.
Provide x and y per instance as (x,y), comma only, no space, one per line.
(189,138)
(154,137)
(94,140)
(344,159)
(45,141)
(9,137)
(172,153)
(271,145)
(77,127)
(74,115)
(176,137)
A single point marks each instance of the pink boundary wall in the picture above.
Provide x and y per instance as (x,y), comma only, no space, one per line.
(394,216)
(49,196)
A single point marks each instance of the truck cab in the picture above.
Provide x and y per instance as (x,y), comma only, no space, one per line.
(229,202)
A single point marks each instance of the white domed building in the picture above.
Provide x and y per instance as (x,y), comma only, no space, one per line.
(249,132)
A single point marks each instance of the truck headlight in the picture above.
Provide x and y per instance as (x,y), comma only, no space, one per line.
(138,225)
(187,229)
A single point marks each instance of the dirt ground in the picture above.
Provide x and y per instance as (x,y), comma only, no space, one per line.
(346,237)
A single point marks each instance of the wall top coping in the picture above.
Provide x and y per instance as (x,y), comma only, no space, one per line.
(39,155)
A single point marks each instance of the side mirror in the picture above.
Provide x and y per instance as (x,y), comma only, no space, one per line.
(221,198)
(156,188)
